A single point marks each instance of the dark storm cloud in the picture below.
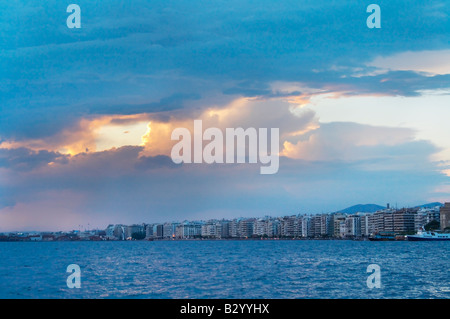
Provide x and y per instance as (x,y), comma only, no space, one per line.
(170,103)
(155,162)
(23,159)
(153,56)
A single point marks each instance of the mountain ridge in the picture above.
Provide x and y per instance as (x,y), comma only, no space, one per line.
(430,205)
(361,208)
(372,208)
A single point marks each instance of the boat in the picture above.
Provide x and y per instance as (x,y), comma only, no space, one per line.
(383,236)
(430,235)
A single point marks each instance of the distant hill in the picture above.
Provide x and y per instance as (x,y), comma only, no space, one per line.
(430,205)
(372,208)
(366,208)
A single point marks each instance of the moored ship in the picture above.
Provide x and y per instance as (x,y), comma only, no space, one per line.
(423,235)
(383,236)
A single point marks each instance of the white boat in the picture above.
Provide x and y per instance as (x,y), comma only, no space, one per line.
(430,235)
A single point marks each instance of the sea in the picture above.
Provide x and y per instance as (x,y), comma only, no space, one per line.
(228,269)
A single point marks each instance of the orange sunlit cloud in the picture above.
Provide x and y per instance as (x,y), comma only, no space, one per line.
(90,135)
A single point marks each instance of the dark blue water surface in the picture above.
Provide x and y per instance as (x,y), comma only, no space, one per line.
(225,269)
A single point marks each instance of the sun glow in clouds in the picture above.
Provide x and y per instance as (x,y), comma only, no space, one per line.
(117,135)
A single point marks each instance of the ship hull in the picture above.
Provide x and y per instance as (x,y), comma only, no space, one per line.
(415,238)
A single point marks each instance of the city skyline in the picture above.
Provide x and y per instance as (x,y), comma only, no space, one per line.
(367,209)
(337,225)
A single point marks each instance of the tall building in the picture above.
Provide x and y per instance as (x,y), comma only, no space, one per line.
(158,231)
(110,231)
(326,225)
(420,220)
(132,229)
(119,232)
(225,228)
(365,224)
(260,227)
(288,226)
(209,230)
(426,215)
(169,230)
(383,221)
(445,216)
(245,227)
(188,230)
(353,226)
(298,227)
(273,228)
(404,221)
(338,220)
(149,231)
(233,228)
(388,220)
(307,228)
(316,223)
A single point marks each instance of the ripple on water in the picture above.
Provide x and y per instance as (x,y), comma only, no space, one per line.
(225,269)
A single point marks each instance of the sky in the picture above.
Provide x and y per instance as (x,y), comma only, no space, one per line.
(86,115)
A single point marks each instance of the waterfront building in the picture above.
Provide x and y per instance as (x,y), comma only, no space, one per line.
(432,214)
(119,232)
(234,228)
(209,230)
(306,226)
(131,229)
(388,221)
(149,231)
(298,227)
(420,220)
(218,230)
(245,228)
(288,226)
(342,229)
(273,228)
(353,226)
(404,221)
(261,227)
(383,221)
(338,220)
(365,224)
(158,231)
(169,230)
(316,225)
(110,232)
(326,225)
(445,216)
(188,230)
(225,228)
